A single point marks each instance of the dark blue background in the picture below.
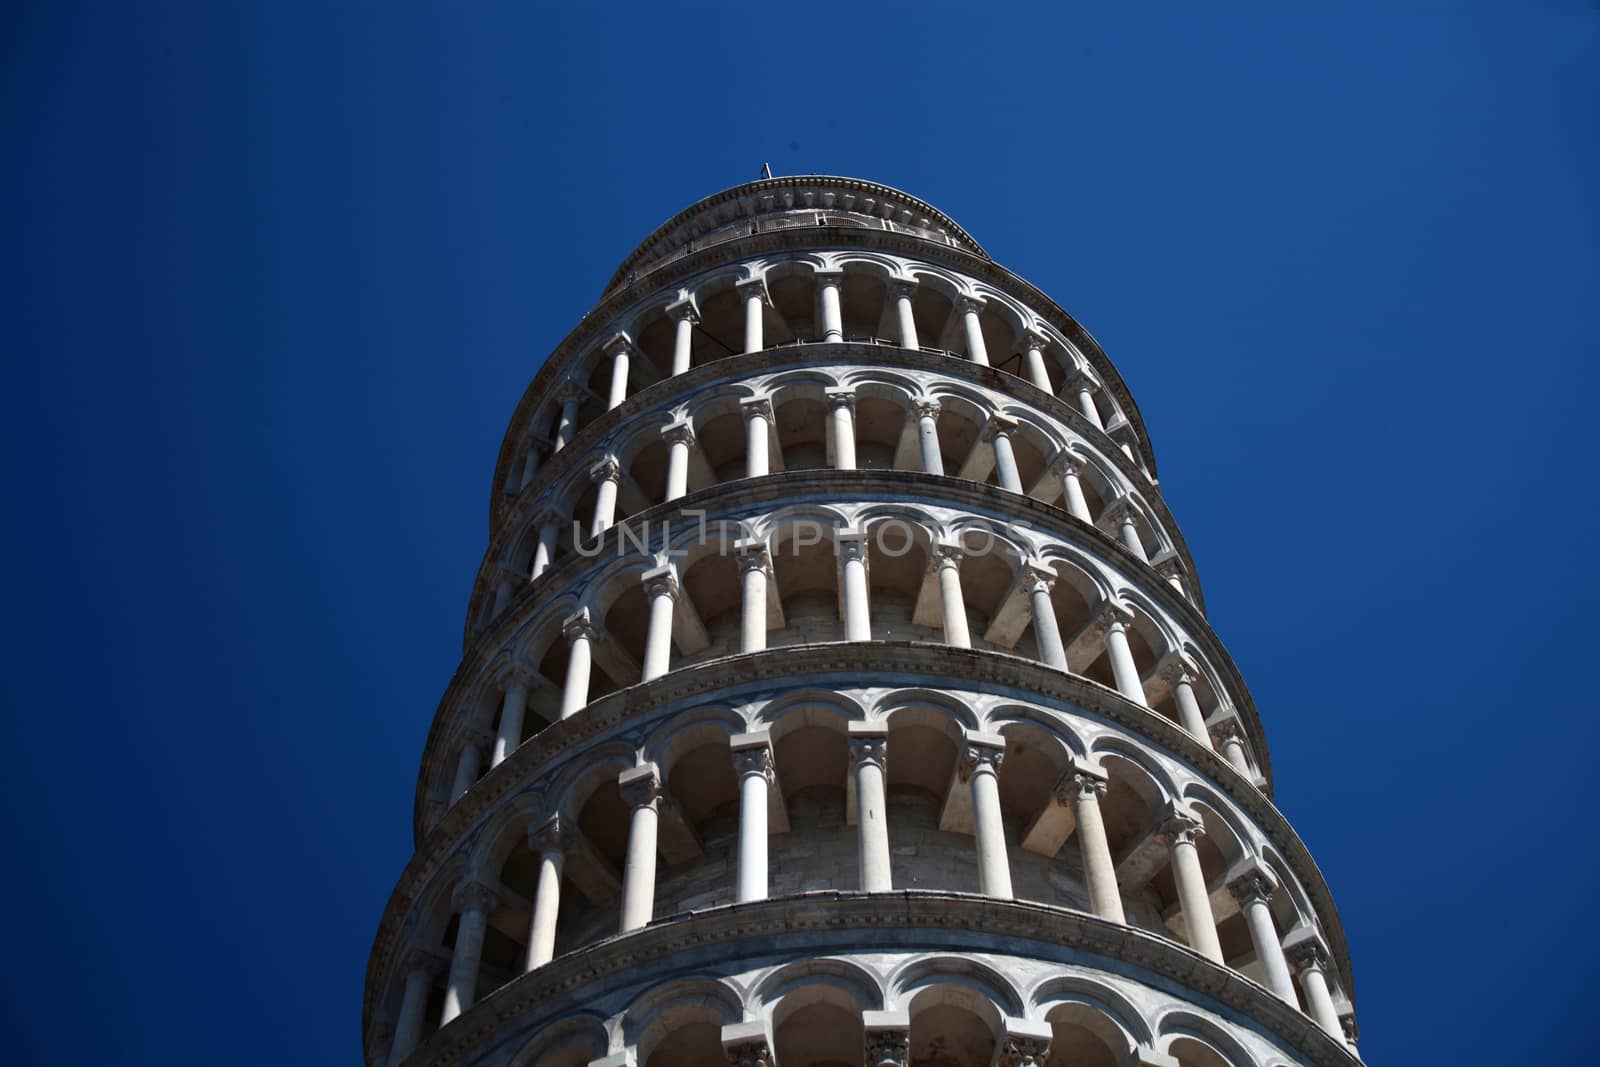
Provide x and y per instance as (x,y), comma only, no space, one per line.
(277,277)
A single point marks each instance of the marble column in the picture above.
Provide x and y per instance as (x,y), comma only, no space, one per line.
(852,548)
(474,901)
(1081,787)
(952,606)
(869,749)
(755,299)
(567,424)
(998,432)
(1046,631)
(757,420)
(1069,468)
(842,423)
(684,316)
(831,329)
(980,767)
(679,437)
(620,349)
(1128,533)
(548,841)
(1180,674)
(512,709)
(1228,737)
(1114,621)
(969,308)
(1253,888)
(641,791)
(755,566)
(1310,961)
(752,761)
(530,466)
(544,551)
(468,764)
(661,591)
(902,291)
(580,634)
(607,477)
(1182,831)
(1084,386)
(887,1038)
(927,412)
(1033,346)
(420,968)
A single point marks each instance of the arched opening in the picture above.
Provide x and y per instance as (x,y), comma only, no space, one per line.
(865,309)
(812,754)
(807,571)
(922,755)
(897,572)
(800,412)
(1191,1052)
(1081,1036)
(818,1025)
(953,1026)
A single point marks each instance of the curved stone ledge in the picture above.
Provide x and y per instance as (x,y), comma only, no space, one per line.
(817,664)
(717,940)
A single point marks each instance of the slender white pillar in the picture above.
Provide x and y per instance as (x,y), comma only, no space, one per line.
(927,412)
(1068,468)
(952,605)
(1181,831)
(1085,388)
(1310,960)
(755,563)
(679,437)
(684,316)
(512,709)
(474,901)
(607,476)
(831,328)
(580,633)
(902,292)
(1081,788)
(752,761)
(1169,569)
(1229,737)
(1128,533)
(620,349)
(998,433)
(969,308)
(1180,674)
(421,968)
(755,298)
(1253,890)
(641,790)
(842,422)
(468,764)
(1046,631)
(661,590)
(567,425)
(1034,345)
(757,421)
(1114,621)
(548,840)
(981,768)
(544,552)
(852,548)
(530,466)
(869,748)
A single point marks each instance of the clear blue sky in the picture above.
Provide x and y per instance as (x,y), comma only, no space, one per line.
(277,277)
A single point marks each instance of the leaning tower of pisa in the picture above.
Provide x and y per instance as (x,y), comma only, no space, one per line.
(836,688)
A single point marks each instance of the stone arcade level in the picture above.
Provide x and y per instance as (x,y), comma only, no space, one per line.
(928,756)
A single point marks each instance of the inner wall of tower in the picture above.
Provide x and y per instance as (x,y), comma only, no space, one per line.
(837,689)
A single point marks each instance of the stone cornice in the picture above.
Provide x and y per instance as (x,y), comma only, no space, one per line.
(603,316)
(855,354)
(918,664)
(834,921)
(679,230)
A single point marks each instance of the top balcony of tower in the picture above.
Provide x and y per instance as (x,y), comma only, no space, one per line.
(782,203)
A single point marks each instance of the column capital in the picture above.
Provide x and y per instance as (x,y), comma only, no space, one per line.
(758,406)
(1226,730)
(549,517)
(618,342)
(1036,575)
(1250,881)
(926,408)
(474,736)
(901,286)
(684,308)
(850,544)
(1067,462)
(1304,950)
(945,553)
(1112,616)
(840,396)
(678,433)
(569,390)
(752,754)
(753,554)
(1026,1044)
(1347,1023)
(1180,826)
(1082,380)
(640,786)
(998,424)
(753,287)
(869,743)
(1081,780)
(1178,668)
(552,834)
(660,581)
(606,470)
(888,1038)
(578,626)
(1032,337)
(970,302)
(982,751)
(422,960)
(473,895)
(833,276)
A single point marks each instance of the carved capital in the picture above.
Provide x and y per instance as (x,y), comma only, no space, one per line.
(1252,886)
(756,760)
(903,287)
(851,545)
(1307,956)
(607,470)
(474,896)
(1032,338)
(1067,463)
(1080,782)
(945,554)
(683,308)
(660,581)
(422,961)
(579,626)
(550,835)
(678,433)
(749,1053)
(888,1048)
(752,287)
(869,743)
(841,398)
(1178,669)
(1181,827)
(618,344)
(757,407)
(640,786)
(998,424)
(1036,576)
(1024,1052)
(967,302)
(926,409)
(1225,731)
(983,752)
(834,277)
(1112,616)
